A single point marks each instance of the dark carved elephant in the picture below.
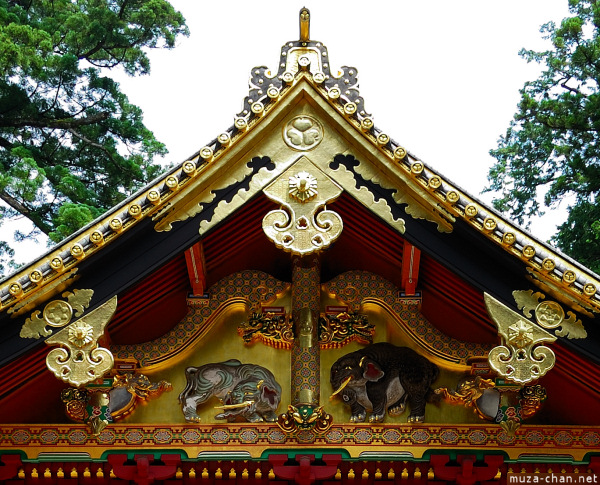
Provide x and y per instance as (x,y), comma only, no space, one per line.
(384,377)
(246,391)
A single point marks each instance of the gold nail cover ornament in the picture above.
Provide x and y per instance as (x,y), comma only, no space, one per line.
(521,358)
(302,225)
(79,360)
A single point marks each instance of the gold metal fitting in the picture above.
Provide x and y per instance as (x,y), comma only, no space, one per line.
(241,124)
(471,210)
(489,224)
(77,251)
(417,168)
(172,183)
(135,211)
(334,93)
(97,238)
(509,238)
(224,139)
(569,276)
(287,77)
(528,251)
(154,197)
(366,124)
(273,92)
(589,290)
(36,276)
(400,153)
(350,109)
(116,224)
(57,264)
(452,197)
(304,24)
(258,108)
(548,264)
(382,138)
(15,289)
(319,77)
(304,63)
(206,153)
(434,182)
(189,168)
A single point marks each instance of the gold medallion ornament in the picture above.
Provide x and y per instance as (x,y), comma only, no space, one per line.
(79,360)
(303,186)
(303,133)
(302,225)
(58,313)
(521,358)
(549,314)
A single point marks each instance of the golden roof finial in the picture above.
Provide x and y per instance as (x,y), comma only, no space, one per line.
(304,25)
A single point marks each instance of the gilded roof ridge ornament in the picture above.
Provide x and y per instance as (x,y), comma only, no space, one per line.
(304,24)
(548,268)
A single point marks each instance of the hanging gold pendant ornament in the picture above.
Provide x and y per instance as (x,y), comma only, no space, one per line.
(522,358)
(302,225)
(79,360)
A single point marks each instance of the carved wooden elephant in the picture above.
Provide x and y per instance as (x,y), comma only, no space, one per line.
(384,377)
(246,391)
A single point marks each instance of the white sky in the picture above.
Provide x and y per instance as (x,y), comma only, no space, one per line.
(440,77)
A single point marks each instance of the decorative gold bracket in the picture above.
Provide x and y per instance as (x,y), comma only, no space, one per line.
(79,360)
(521,358)
(549,314)
(302,225)
(57,313)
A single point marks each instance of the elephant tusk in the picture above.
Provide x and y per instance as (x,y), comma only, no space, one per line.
(235,406)
(344,384)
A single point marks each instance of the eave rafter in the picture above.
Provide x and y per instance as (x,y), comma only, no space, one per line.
(302,60)
(194,258)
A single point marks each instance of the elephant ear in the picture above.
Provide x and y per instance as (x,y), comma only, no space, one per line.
(371,370)
(269,394)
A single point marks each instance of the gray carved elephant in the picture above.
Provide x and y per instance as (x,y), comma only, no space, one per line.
(246,391)
(384,377)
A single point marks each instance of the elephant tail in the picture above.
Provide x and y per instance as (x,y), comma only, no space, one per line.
(190,385)
(431,396)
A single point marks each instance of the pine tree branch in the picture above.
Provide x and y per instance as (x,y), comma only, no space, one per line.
(61,124)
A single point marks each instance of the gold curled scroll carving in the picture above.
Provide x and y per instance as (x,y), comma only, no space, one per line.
(79,359)
(303,224)
(522,357)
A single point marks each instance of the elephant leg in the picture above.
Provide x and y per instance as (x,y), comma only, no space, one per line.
(359,414)
(269,416)
(417,408)
(378,398)
(398,407)
(253,417)
(189,409)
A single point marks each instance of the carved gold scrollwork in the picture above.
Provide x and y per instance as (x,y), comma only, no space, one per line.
(522,358)
(303,225)
(549,314)
(335,331)
(79,360)
(274,330)
(57,313)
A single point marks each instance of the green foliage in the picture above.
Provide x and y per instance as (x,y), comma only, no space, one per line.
(552,148)
(71,144)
